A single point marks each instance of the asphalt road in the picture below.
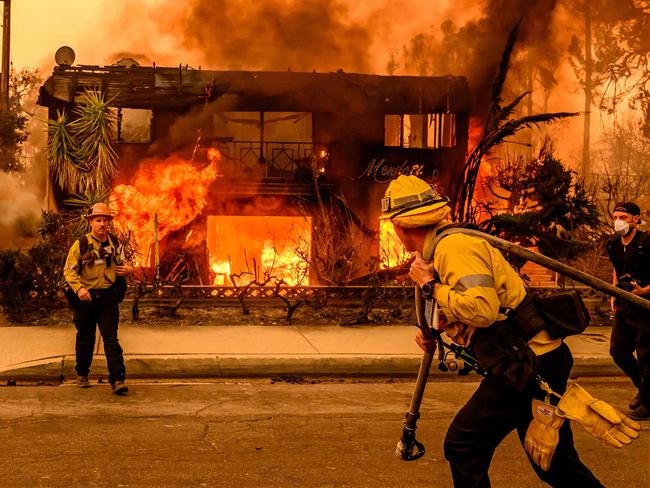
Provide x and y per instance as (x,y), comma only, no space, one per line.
(261,434)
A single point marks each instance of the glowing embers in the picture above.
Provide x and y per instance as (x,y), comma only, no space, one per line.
(391,250)
(264,249)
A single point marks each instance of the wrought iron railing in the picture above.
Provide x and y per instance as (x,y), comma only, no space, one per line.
(271,159)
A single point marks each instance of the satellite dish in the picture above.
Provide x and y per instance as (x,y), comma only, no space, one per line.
(64,56)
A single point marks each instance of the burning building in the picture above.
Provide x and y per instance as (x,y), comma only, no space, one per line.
(244,173)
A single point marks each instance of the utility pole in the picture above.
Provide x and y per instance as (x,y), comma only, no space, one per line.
(586,164)
(6,59)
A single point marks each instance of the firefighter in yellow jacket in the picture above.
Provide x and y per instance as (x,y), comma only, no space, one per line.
(475,288)
(92,271)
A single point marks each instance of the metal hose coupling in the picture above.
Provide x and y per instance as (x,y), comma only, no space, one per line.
(408,447)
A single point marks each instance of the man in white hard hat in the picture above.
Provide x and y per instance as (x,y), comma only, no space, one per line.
(473,284)
(95,271)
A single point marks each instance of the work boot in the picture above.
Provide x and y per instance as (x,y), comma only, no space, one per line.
(82,381)
(635,402)
(119,388)
(642,412)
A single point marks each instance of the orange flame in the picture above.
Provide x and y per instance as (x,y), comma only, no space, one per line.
(475,132)
(392,251)
(285,263)
(269,248)
(174,189)
(221,270)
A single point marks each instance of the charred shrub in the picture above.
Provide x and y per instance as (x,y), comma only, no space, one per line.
(31,279)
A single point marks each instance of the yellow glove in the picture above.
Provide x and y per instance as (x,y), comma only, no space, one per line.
(599,418)
(543,434)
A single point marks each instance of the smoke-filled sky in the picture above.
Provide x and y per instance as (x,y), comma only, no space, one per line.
(414,37)
(458,37)
(217,33)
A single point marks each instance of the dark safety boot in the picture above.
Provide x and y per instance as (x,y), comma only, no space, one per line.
(642,412)
(635,402)
(119,388)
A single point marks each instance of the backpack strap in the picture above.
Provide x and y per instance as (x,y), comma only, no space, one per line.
(83,249)
(84,245)
(114,240)
(437,239)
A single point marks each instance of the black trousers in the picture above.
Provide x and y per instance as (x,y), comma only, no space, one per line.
(631,333)
(87,316)
(494,411)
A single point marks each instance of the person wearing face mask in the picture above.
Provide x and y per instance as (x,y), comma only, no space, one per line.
(629,253)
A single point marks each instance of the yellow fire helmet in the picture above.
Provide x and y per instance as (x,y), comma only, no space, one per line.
(99,210)
(409,195)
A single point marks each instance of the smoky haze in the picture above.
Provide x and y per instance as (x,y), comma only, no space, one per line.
(474,48)
(274,34)
(20,210)
(415,38)
(460,38)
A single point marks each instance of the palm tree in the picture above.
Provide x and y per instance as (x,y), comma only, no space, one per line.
(498,126)
(81,154)
(62,154)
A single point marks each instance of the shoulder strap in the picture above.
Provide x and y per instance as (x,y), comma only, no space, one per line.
(83,249)
(83,244)
(114,240)
(428,252)
(459,225)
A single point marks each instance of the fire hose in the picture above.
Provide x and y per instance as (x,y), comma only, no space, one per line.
(408,447)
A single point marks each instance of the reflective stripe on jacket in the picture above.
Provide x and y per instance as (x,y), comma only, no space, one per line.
(477,281)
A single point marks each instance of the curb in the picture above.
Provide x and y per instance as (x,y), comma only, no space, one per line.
(184,366)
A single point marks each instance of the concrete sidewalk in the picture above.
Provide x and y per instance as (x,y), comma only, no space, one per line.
(47,353)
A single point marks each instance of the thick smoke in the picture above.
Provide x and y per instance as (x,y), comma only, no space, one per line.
(273,34)
(457,38)
(474,48)
(20,209)
(415,37)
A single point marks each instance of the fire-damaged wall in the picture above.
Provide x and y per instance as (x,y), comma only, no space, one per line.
(214,155)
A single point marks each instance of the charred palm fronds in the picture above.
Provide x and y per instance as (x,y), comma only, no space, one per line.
(498,126)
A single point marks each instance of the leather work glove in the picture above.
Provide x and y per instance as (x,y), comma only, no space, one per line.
(599,418)
(543,434)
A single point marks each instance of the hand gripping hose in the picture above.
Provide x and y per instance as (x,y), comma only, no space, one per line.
(408,447)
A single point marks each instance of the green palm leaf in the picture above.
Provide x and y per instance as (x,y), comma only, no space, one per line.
(62,154)
(92,129)
(81,154)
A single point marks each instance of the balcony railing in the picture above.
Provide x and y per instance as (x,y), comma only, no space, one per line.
(279,160)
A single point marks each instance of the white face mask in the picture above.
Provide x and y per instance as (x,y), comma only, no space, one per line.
(621,227)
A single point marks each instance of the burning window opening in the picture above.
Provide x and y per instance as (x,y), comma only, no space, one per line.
(430,131)
(133,125)
(391,250)
(257,247)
